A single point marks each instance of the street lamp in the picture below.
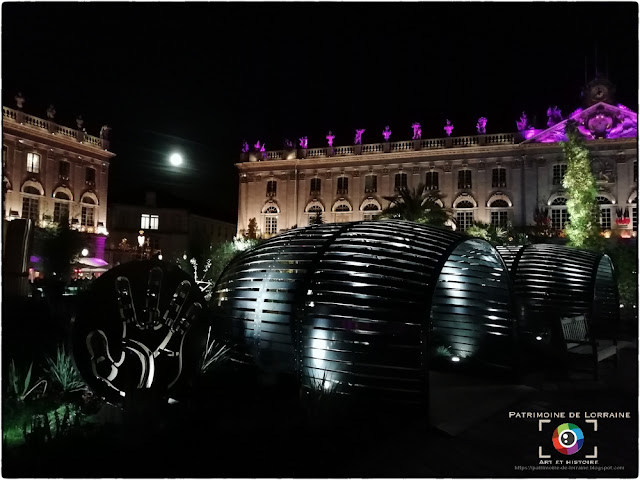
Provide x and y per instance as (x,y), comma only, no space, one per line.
(175,159)
(85,252)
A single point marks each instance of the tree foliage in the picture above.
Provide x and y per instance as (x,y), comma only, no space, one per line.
(583,229)
(58,246)
(418,205)
(252,229)
(316,219)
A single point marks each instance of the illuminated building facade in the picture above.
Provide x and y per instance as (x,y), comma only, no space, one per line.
(493,178)
(52,173)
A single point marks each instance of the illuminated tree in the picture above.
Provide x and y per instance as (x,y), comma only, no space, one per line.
(252,229)
(583,229)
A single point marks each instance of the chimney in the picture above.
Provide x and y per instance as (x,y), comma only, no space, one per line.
(150,199)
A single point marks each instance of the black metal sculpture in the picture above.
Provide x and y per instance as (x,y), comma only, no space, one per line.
(355,304)
(139,329)
(553,281)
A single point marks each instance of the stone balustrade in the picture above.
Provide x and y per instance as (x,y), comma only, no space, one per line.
(53,128)
(389,147)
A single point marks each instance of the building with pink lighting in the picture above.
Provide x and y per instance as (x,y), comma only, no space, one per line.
(494,177)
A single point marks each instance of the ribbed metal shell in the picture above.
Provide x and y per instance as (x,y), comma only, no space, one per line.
(351,303)
(552,281)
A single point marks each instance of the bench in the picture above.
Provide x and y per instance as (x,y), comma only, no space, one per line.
(578,340)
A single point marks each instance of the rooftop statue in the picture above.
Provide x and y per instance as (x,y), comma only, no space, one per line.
(105,131)
(288,144)
(51,112)
(79,122)
(448,128)
(555,116)
(523,123)
(481,126)
(258,147)
(358,139)
(386,133)
(19,100)
(330,138)
(245,147)
(417,131)
(304,141)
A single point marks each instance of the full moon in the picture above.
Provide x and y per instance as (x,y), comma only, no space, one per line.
(176,159)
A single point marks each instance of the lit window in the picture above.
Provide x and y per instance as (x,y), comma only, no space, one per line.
(145,220)
(559,171)
(316,185)
(431,182)
(33,163)
(271,188)
(499,178)
(464,179)
(271,224)
(343,186)
(86,218)
(401,181)
(370,184)
(30,208)
(559,213)
(153,222)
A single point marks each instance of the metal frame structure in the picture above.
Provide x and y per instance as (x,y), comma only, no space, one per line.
(354,305)
(553,281)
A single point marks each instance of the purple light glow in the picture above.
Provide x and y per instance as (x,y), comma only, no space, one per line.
(330,138)
(555,116)
(417,131)
(532,132)
(448,128)
(303,142)
(622,107)
(257,146)
(245,147)
(358,139)
(523,123)
(386,133)
(481,126)
(575,113)
(34,259)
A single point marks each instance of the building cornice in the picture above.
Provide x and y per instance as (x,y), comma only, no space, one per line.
(419,156)
(51,134)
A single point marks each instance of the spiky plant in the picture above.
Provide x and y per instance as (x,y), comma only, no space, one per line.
(418,205)
(63,372)
(21,388)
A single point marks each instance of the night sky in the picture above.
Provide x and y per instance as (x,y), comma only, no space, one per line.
(203,77)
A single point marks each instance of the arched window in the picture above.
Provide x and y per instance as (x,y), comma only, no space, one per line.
(61,205)
(87,216)
(464,215)
(499,212)
(371,210)
(271,220)
(31,193)
(343,208)
(559,213)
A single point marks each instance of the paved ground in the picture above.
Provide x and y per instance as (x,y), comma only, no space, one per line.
(259,437)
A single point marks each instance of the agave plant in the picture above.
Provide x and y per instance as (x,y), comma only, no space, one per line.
(22,388)
(63,372)
(215,354)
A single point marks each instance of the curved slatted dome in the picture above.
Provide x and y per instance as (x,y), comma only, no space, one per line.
(354,303)
(552,281)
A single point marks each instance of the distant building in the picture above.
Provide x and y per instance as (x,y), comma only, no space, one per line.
(493,178)
(169,228)
(52,174)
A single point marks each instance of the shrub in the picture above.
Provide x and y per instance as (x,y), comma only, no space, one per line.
(63,372)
